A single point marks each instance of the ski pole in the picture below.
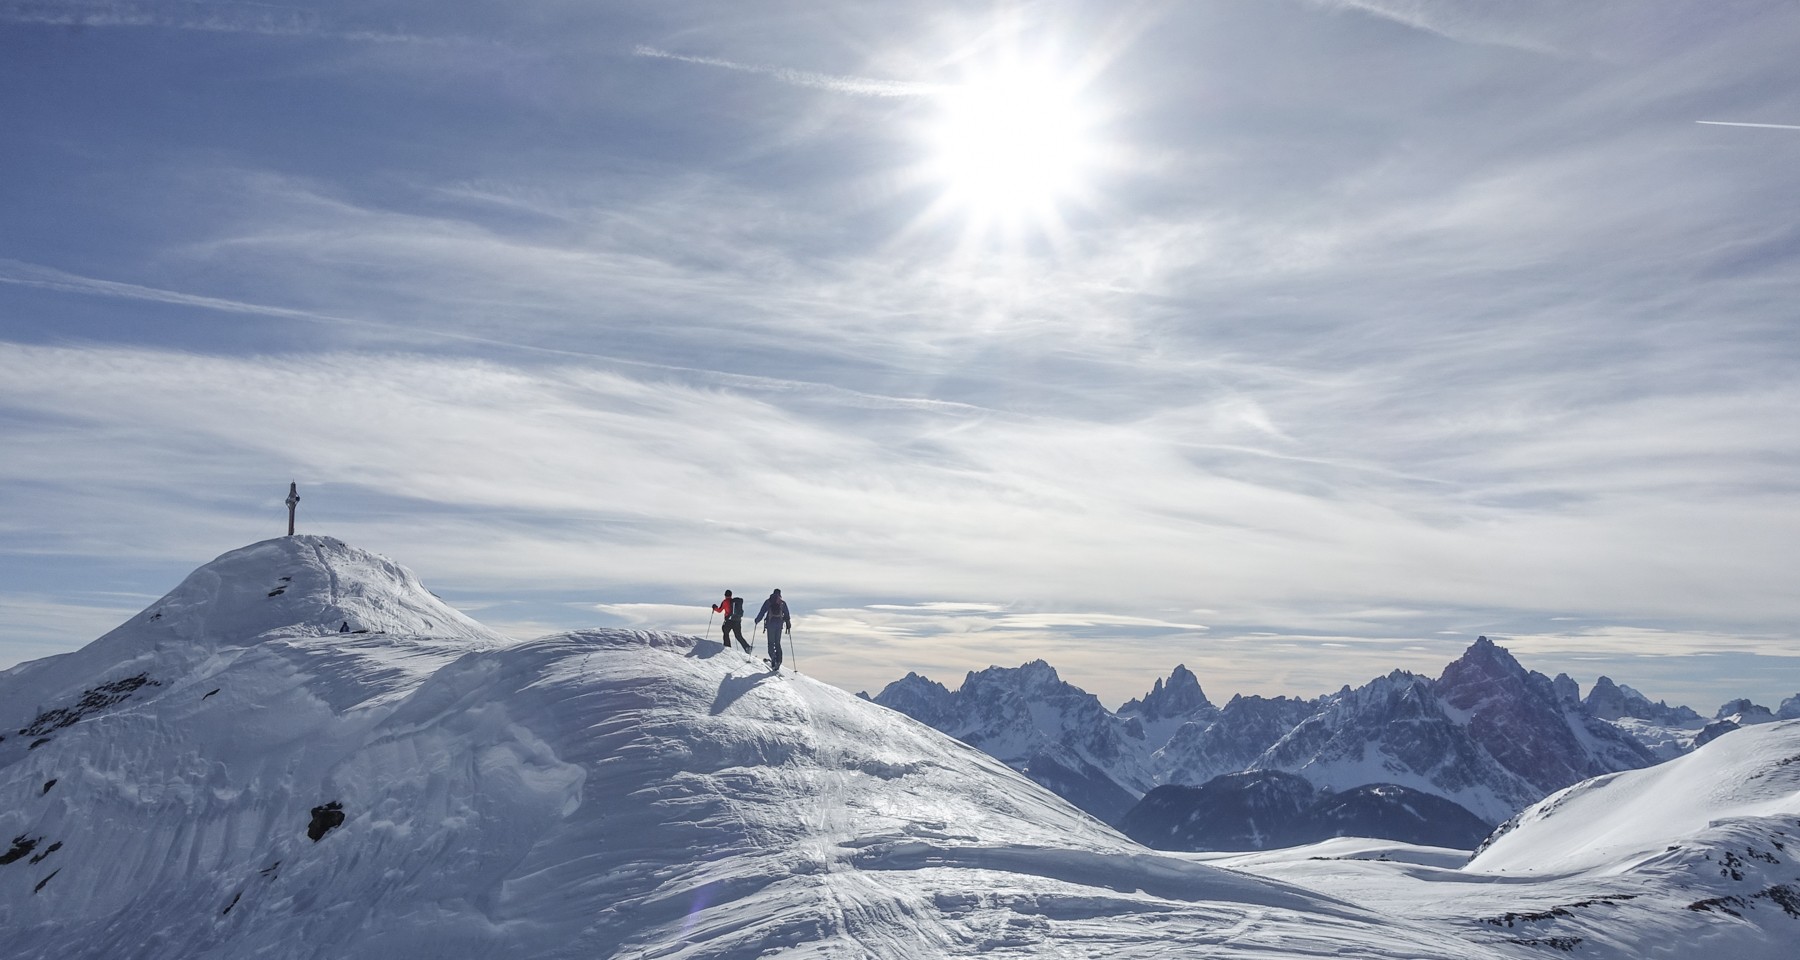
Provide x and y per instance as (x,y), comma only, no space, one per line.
(709,623)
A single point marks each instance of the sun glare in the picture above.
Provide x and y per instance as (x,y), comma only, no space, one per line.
(1009,148)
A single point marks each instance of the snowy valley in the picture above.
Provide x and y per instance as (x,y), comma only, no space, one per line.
(300,752)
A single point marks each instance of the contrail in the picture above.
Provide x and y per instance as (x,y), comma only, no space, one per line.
(1766,126)
(861,86)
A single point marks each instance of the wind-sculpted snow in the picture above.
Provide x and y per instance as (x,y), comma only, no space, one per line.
(289,787)
(1696,857)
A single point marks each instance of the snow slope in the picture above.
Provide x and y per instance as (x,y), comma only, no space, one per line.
(233,774)
(1617,822)
(1697,857)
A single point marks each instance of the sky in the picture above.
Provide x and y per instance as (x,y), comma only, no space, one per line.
(1293,340)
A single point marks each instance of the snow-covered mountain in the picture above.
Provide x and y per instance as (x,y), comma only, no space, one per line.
(1265,809)
(1488,735)
(1735,715)
(1398,729)
(1697,857)
(1046,728)
(1244,728)
(301,753)
(1614,701)
(1169,706)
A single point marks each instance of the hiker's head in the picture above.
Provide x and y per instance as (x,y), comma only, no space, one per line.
(728,593)
(775,594)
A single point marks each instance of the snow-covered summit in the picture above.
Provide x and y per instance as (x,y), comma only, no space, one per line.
(272,784)
(1611,821)
(288,597)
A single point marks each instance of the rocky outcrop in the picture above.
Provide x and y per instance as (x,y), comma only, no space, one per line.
(1517,717)
(1612,701)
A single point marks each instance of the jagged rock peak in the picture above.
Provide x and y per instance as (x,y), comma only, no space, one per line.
(1744,711)
(1180,696)
(1033,675)
(916,696)
(1606,700)
(1790,708)
(1567,690)
(1483,659)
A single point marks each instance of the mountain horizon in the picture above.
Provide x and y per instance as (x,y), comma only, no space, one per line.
(300,752)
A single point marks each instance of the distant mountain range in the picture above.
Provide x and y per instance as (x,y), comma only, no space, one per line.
(301,752)
(1268,809)
(1487,735)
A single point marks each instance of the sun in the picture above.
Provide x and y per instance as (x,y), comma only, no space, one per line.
(1009,147)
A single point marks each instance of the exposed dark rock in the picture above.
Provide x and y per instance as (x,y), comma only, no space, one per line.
(1179,698)
(39,742)
(93,700)
(40,883)
(1785,897)
(1556,913)
(1516,716)
(233,903)
(22,845)
(1613,701)
(211,692)
(325,819)
(1567,690)
(919,697)
(47,785)
(1565,944)
(1728,905)
(1747,711)
(1246,726)
(47,852)
(1714,731)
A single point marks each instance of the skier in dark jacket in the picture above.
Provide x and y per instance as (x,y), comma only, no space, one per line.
(775,611)
(733,608)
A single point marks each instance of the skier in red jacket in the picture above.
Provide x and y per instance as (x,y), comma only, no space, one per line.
(733,609)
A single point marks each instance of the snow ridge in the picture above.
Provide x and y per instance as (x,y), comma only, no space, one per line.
(281,785)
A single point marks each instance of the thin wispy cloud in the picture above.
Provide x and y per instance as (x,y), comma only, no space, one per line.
(858,86)
(270,20)
(1359,366)
(1452,21)
(34,275)
(1736,123)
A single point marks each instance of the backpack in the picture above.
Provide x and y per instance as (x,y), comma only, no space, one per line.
(737,607)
